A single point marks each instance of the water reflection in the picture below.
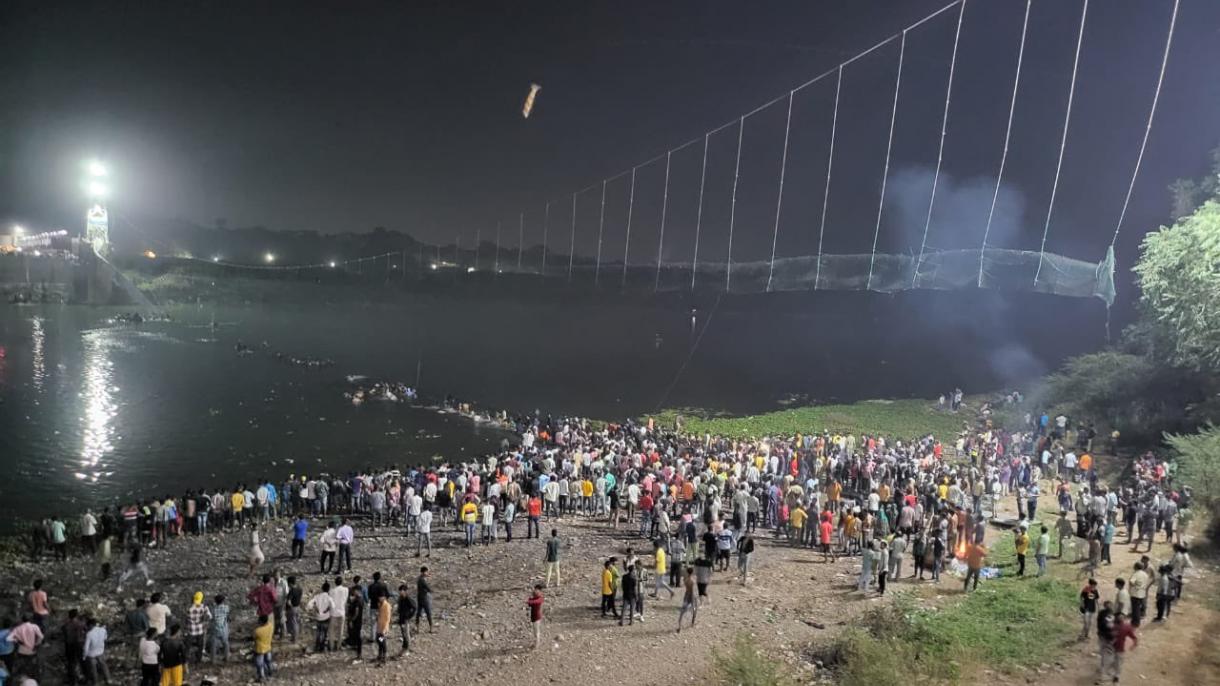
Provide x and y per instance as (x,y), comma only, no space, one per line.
(99,406)
(38,339)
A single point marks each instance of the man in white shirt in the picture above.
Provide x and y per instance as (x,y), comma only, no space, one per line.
(321,606)
(338,611)
(88,531)
(423,532)
(489,522)
(345,536)
(95,649)
(157,613)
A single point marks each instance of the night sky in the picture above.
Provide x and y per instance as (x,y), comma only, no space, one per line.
(342,117)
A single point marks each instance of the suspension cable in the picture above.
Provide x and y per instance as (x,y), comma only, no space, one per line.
(1067,119)
(885,175)
(1012,108)
(940,151)
(779,200)
(1156,96)
(664,208)
(830,160)
(728,262)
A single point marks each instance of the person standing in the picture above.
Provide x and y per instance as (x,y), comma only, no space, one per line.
(423,598)
(1137,587)
(173,658)
(329,544)
(150,659)
(534,604)
(300,529)
(73,631)
(406,611)
(660,569)
(608,588)
(338,612)
(345,535)
(1021,544)
(1089,595)
(220,628)
(423,532)
(552,558)
(197,617)
(264,666)
(690,599)
(1041,549)
(630,589)
(745,552)
(40,605)
(292,609)
(382,629)
(976,555)
(320,606)
(95,653)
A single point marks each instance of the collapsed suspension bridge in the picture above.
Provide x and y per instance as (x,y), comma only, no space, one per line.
(983,265)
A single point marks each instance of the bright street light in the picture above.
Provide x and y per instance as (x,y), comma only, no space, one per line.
(216,258)
(95,168)
(97,189)
(18,229)
(332,264)
(269,258)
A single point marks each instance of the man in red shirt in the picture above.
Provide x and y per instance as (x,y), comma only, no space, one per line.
(825,529)
(534,603)
(533,508)
(1123,630)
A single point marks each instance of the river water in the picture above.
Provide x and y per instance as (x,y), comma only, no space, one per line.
(92,412)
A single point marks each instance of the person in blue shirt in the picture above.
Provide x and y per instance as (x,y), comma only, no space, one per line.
(300,528)
(272,500)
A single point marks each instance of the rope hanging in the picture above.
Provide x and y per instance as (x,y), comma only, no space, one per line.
(572,240)
(1012,108)
(1156,96)
(630,211)
(885,175)
(656,286)
(940,151)
(779,200)
(728,262)
(1067,119)
(694,264)
(830,160)
(601,226)
(520,239)
(546,229)
(496,266)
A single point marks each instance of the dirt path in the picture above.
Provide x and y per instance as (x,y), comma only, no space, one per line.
(1184,650)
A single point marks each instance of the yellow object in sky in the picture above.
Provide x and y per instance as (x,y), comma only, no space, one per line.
(529,100)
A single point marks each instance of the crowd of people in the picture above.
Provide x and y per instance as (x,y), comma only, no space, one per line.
(695,502)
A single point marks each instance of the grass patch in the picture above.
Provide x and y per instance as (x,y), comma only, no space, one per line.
(1008,622)
(744,665)
(905,419)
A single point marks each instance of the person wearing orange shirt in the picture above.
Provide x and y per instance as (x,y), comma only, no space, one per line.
(976,555)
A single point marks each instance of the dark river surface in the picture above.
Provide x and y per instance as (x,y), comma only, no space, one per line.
(92,412)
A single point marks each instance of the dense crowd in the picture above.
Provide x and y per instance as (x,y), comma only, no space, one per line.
(696,502)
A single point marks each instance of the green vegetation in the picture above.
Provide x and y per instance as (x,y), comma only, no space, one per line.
(1198,460)
(744,665)
(1179,300)
(1162,382)
(905,419)
(1008,622)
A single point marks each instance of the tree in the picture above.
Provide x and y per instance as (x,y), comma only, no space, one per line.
(1198,460)
(1179,278)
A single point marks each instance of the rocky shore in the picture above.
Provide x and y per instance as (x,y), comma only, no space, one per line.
(482,631)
